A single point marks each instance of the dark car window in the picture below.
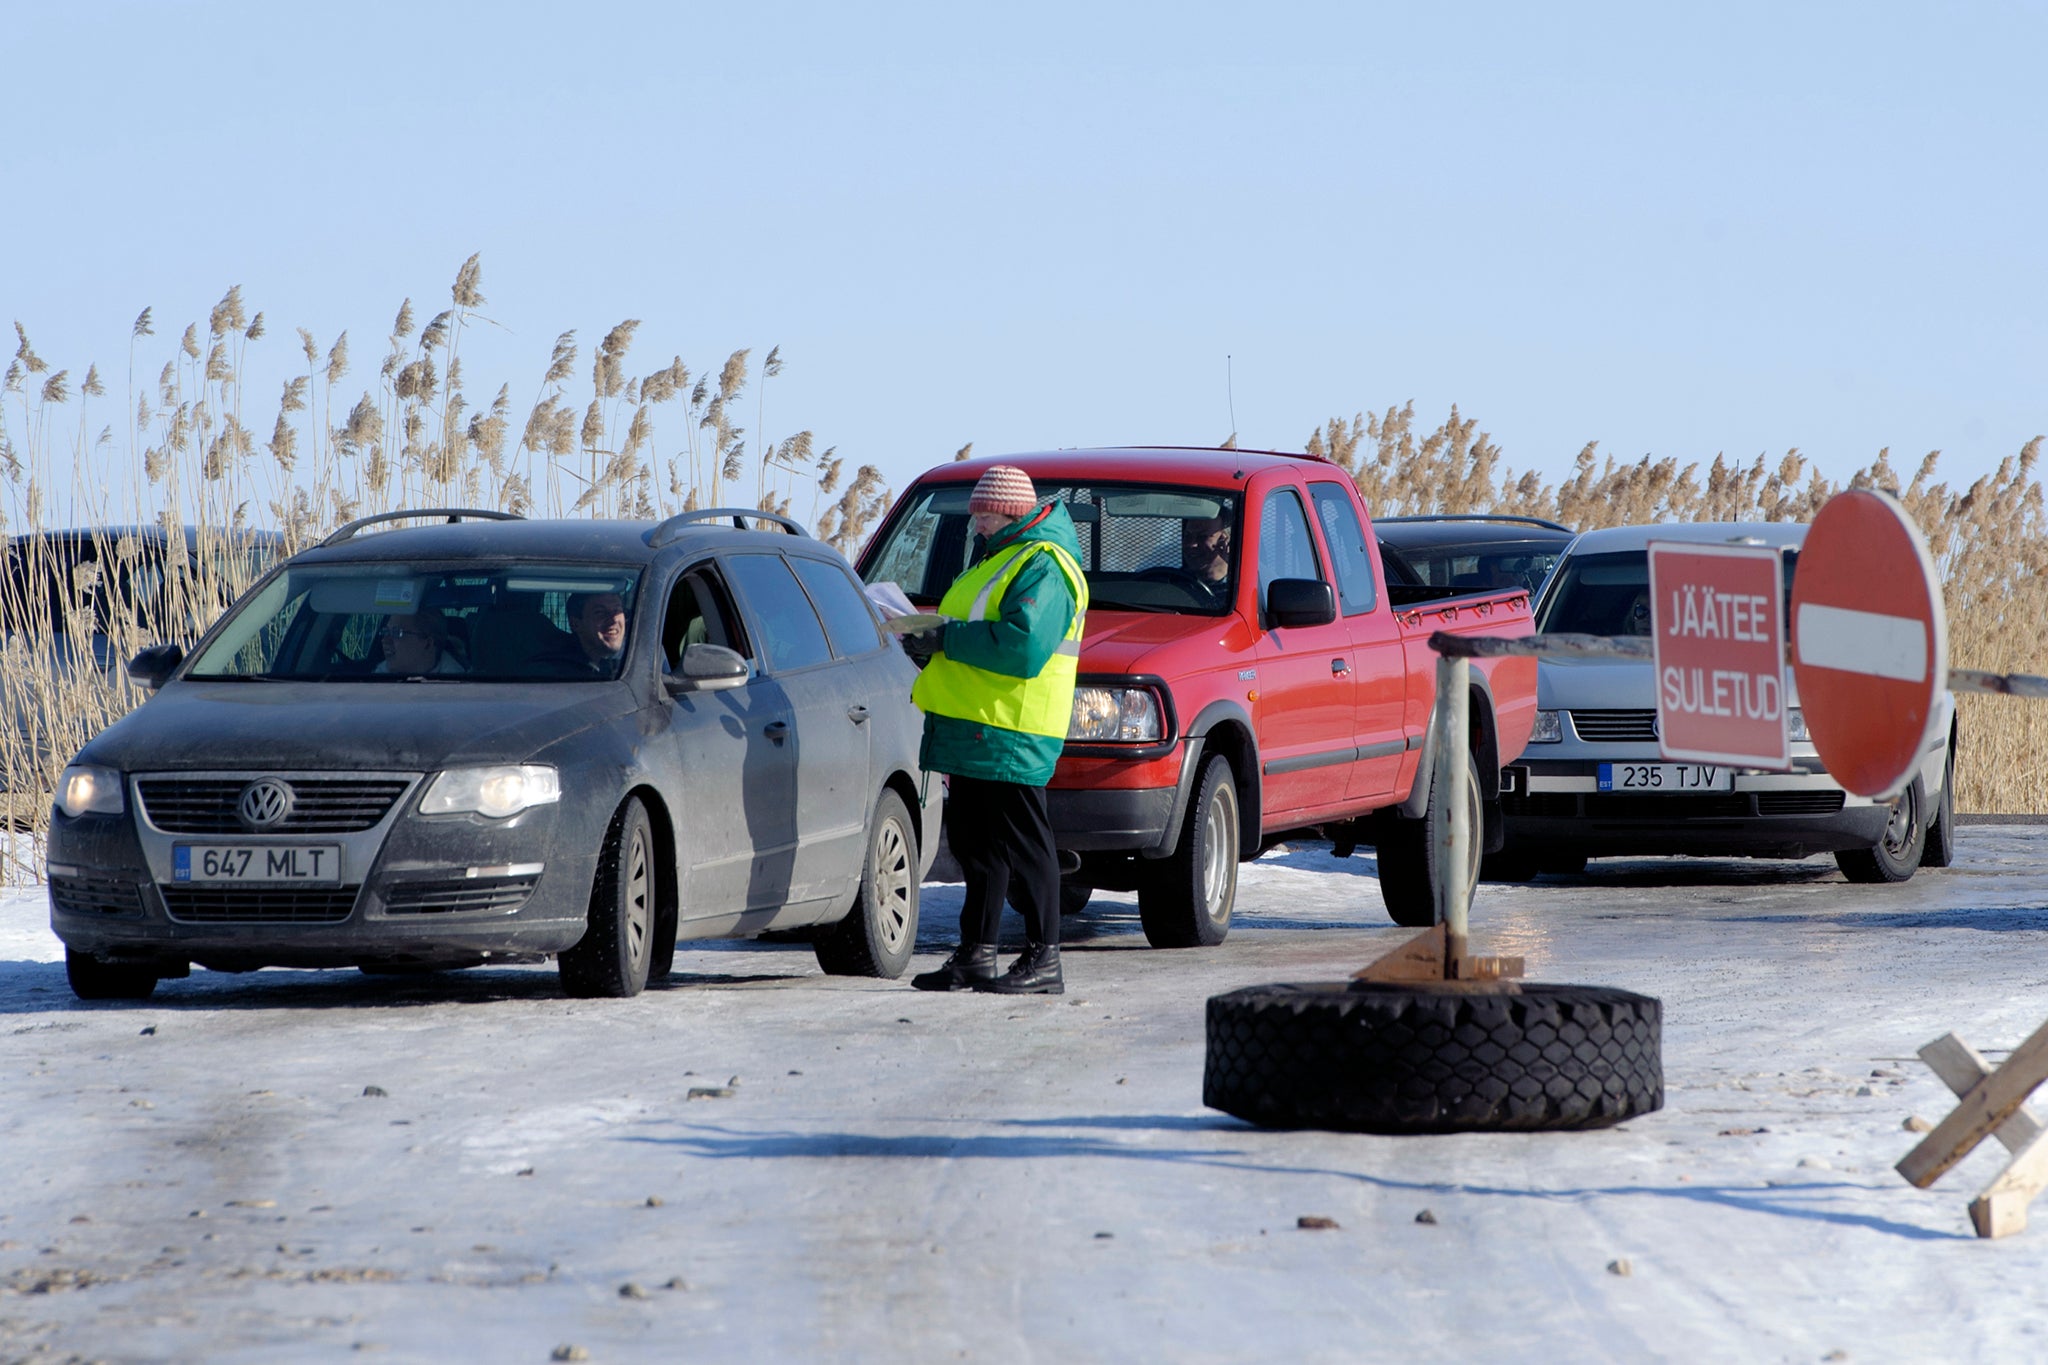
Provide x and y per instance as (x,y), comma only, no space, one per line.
(849,620)
(1609,594)
(1285,550)
(1344,533)
(700,611)
(478,621)
(791,636)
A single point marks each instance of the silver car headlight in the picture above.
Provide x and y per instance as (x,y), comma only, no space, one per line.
(1128,715)
(1547,729)
(84,787)
(1795,725)
(492,792)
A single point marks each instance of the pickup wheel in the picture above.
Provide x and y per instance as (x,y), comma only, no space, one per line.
(613,956)
(1412,1057)
(1184,899)
(1407,858)
(1896,856)
(877,935)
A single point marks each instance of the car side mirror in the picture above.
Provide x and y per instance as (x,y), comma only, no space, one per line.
(1300,602)
(153,666)
(707,668)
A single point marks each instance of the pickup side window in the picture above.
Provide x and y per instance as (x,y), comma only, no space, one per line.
(1285,550)
(1344,533)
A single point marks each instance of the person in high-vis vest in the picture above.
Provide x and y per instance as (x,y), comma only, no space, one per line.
(998,693)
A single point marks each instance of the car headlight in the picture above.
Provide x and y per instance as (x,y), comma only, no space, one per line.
(1795,726)
(1115,714)
(1547,729)
(85,787)
(493,792)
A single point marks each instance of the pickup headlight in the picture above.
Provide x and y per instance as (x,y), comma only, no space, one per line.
(1128,715)
(1547,729)
(1795,726)
(492,792)
(84,787)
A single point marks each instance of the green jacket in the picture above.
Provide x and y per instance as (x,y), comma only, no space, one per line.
(1037,608)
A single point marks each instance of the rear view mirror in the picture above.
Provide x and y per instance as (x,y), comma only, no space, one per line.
(153,666)
(707,668)
(1300,602)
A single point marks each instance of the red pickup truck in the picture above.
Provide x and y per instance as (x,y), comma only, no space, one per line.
(1247,673)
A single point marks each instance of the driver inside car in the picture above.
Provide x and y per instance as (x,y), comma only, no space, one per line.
(1205,551)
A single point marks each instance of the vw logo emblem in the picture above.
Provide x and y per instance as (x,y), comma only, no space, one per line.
(264,804)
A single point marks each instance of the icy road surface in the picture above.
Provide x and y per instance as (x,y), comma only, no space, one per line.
(876,1174)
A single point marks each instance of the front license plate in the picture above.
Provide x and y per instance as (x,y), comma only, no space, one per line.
(250,863)
(1665,777)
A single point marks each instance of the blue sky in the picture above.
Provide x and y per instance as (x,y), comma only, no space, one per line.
(1674,230)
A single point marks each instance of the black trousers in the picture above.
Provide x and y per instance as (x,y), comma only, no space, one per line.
(1002,836)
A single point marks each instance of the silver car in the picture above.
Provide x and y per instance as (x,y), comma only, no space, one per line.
(1593,782)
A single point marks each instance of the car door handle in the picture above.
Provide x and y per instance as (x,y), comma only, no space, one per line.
(777,730)
(1340,666)
(857,714)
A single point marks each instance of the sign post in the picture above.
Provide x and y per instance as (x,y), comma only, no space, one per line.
(1718,631)
(1869,641)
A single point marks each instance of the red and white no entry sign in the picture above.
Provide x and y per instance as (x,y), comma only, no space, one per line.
(1869,641)
(1719,640)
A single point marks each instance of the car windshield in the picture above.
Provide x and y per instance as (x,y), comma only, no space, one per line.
(1484,566)
(1144,547)
(392,621)
(1609,594)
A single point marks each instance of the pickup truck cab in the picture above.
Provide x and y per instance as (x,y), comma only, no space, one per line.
(1246,673)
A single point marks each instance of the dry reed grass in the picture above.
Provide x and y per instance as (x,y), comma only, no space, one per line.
(633,445)
(1989,542)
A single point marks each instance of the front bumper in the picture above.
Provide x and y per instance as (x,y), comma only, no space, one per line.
(1556,807)
(410,890)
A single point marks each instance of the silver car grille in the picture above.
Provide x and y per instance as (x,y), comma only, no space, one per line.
(1615,727)
(320,805)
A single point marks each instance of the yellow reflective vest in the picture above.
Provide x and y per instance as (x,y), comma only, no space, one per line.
(1040,705)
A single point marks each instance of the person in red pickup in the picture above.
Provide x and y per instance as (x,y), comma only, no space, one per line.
(997,696)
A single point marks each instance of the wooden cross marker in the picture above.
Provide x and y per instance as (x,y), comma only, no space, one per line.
(1992,1103)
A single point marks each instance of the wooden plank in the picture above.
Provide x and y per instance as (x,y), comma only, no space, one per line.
(1960,1068)
(2001,1209)
(1419,959)
(1986,1105)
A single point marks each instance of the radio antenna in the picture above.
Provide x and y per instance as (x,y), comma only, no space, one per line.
(1230,395)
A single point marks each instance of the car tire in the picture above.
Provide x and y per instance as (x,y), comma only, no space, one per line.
(1895,856)
(877,936)
(92,979)
(613,956)
(1185,899)
(1074,896)
(1407,857)
(1941,830)
(1508,867)
(1379,1057)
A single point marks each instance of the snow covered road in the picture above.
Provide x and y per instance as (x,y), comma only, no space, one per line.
(314,1166)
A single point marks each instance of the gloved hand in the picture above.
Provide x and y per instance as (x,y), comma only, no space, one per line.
(922,644)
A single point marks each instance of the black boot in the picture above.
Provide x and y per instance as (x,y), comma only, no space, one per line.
(970,964)
(1037,972)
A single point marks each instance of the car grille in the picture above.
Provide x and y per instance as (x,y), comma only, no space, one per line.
(96,896)
(1695,806)
(1614,727)
(259,904)
(320,805)
(502,894)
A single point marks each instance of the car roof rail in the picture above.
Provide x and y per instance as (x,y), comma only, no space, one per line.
(1544,522)
(451,514)
(666,533)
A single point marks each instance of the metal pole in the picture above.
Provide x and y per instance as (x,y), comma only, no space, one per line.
(1452,802)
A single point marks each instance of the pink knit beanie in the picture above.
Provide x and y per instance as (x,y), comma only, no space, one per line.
(1006,490)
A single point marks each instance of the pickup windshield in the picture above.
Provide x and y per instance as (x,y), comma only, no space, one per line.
(1144,547)
(389,622)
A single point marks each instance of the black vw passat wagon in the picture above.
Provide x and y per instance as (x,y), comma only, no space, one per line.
(492,738)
